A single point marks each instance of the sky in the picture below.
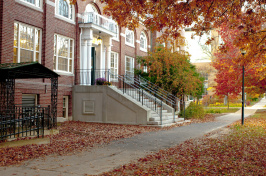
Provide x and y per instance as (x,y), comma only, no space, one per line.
(195,49)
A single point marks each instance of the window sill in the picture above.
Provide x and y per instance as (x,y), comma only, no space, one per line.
(64,19)
(144,50)
(64,73)
(128,44)
(30,5)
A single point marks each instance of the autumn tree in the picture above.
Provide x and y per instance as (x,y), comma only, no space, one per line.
(172,71)
(229,69)
(171,16)
(249,16)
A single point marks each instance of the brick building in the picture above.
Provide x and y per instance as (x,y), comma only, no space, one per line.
(66,39)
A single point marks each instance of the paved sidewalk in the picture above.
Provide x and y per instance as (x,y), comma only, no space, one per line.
(120,152)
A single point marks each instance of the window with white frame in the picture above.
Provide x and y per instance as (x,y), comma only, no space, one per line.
(36,3)
(27,43)
(143,41)
(130,37)
(114,65)
(65,10)
(63,54)
(116,30)
(129,66)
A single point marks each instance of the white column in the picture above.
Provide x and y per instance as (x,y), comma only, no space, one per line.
(83,54)
(83,62)
(103,57)
(108,52)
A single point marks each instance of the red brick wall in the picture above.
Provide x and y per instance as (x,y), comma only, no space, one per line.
(11,11)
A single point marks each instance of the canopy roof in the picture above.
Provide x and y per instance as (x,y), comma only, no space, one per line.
(25,70)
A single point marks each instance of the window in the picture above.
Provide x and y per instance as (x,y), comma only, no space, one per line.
(27,43)
(143,42)
(63,54)
(36,3)
(115,28)
(65,9)
(130,37)
(129,66)
(114,65)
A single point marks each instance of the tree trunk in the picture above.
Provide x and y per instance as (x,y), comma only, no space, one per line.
(228,102)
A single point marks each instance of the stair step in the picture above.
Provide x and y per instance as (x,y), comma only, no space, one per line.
(159,122)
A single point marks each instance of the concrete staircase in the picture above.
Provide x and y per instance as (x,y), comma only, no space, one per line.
(143,98)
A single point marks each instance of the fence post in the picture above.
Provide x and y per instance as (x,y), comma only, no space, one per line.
(155,103)
(161,112)
(142,97)
(48,119)
(43,123)
(108,74)
(123,84)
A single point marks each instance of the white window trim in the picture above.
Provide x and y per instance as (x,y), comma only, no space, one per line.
(146,43)
(61,72)
(118,35)
(130,44)
(133,62)
(30,5)
(72,21)
(34,50)
(117,58)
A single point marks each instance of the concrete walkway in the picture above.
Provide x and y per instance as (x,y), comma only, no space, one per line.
(121,152)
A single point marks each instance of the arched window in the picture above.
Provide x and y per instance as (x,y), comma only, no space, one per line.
(130,37)
(91,8)
(64,9)
(143,41)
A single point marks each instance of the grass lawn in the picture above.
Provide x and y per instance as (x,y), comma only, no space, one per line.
(220,110)
(241,152)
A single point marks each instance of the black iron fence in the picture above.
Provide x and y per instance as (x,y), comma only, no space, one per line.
(24,121)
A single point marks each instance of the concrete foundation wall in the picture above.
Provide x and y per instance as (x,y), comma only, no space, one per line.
(104,105)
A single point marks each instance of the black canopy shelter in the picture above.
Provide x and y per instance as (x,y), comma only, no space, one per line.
(9,72)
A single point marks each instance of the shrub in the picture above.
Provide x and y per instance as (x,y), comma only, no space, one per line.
(195,111)
(100,81)
(107,83)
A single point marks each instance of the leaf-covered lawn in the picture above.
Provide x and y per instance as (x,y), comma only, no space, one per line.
(73,136)
(242,152)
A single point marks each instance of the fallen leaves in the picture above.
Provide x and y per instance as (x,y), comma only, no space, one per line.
(241,152)
(73,137)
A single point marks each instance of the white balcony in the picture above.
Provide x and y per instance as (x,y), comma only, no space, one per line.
(99,23)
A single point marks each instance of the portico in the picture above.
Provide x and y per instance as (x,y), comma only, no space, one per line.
(95,41)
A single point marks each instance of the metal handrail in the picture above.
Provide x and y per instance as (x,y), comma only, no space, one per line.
(164,92)
(140,94)
(92,17)
(155,90)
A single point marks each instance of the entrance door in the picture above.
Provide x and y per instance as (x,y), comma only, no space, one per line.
(93,65)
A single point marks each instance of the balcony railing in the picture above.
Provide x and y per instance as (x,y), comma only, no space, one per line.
(91,17)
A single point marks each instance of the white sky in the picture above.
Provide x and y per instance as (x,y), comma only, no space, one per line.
(194,48)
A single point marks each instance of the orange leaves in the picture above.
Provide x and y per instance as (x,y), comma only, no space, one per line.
(73,136)
(241,152)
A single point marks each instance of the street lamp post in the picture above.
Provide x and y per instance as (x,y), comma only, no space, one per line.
(243,52)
